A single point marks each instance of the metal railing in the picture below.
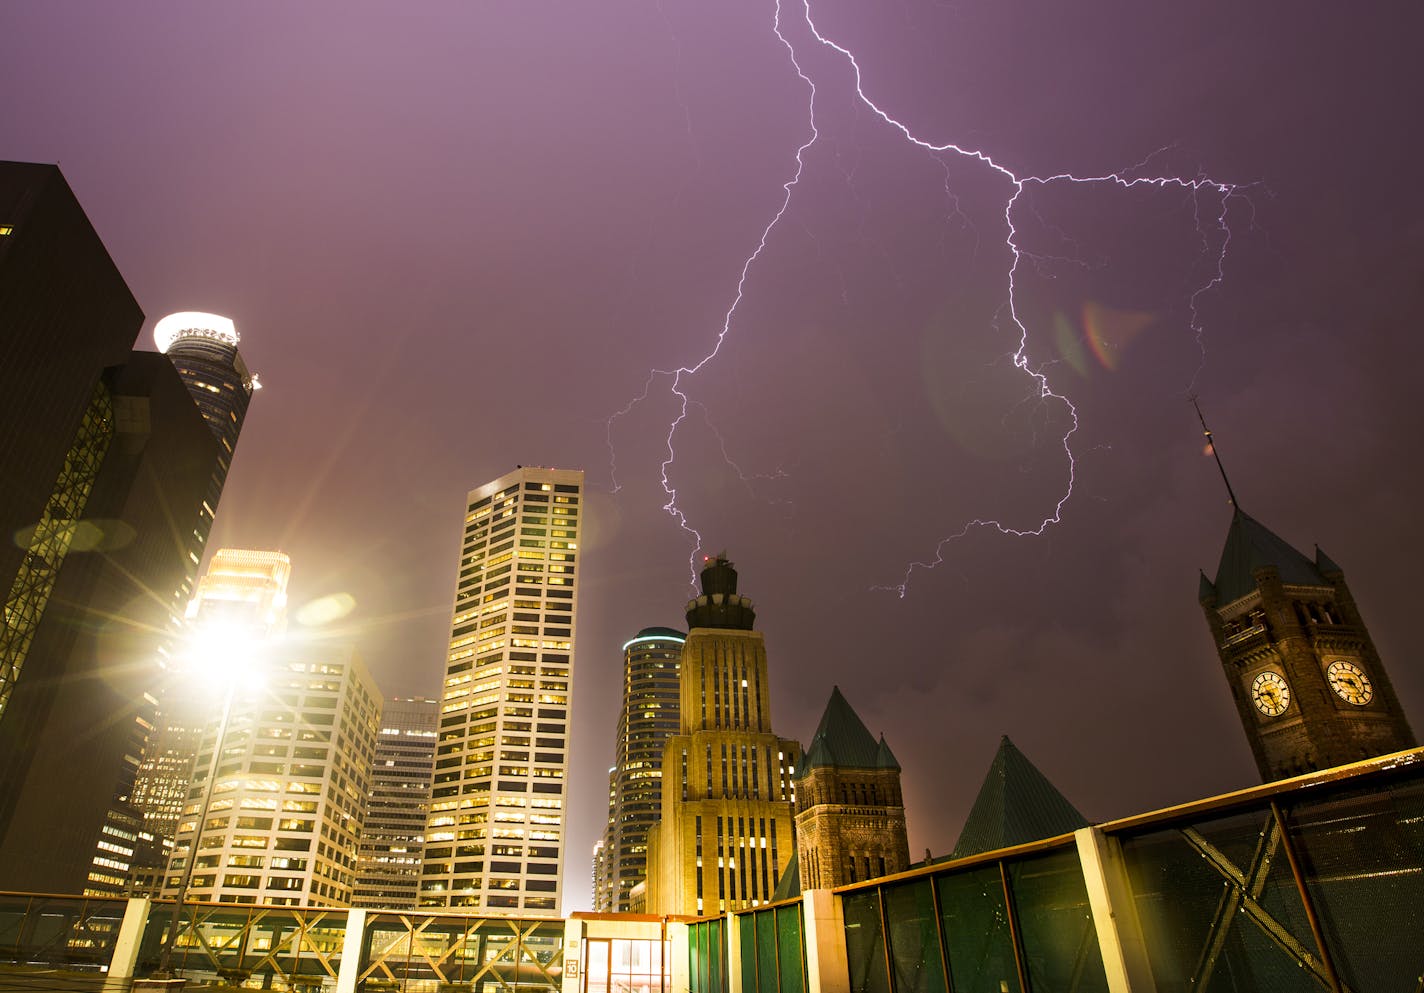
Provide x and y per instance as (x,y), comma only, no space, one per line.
(1311,884)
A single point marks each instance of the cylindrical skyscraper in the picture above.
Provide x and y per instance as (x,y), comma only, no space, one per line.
(649,717)
(203,348)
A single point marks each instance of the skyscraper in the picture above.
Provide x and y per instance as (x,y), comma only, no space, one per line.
(82,706)
(111,479)
(55,413)
(726,833)
(242,587)
(496,833)
(203,348)
(391,848)
(287,798)
(601,879)
(648,717)
(290,788)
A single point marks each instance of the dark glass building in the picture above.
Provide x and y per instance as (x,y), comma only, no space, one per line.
(105,458)
(67,316)
(81,711)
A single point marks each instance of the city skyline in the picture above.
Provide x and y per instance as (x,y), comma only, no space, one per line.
(568,200)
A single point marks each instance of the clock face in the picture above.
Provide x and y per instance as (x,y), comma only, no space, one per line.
(1350,682)
(1270,693)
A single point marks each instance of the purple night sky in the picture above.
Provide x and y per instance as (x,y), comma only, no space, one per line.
(457,236)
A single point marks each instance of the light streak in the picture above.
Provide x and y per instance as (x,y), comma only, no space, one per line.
(1215,239)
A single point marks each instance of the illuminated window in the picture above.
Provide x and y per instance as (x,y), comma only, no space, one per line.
(6,229)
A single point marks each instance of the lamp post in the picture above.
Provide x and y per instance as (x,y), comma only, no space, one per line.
(165,961)
(234,653)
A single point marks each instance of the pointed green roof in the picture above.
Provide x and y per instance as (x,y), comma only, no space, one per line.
(789,885)
(1250,545)
(1325,563)
(884,758)
(1205,590)
(1016,804)
(843,740)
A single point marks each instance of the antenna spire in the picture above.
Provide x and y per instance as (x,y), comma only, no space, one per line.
(1211,443)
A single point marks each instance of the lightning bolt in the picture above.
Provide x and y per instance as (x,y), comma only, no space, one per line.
(1215,235)
(678,375)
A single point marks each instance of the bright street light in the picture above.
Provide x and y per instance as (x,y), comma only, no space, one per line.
(231,657)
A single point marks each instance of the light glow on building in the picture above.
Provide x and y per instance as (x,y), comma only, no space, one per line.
(193,324)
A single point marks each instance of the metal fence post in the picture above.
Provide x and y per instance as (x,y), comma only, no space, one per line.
(678,977)
(823,930)
(570,981)
(732,939)
(352,947)
(1115,920)
(130,939)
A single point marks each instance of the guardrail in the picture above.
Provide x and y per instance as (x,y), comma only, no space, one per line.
(1310,884)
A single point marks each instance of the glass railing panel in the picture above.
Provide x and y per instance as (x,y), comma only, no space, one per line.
(865,943)
(766,951)
(73,932)
(500,964)
(1362,856)
(791,953)
(386,960)
(914,938)
(541,957)
(699,941)
(978,940)
(697,959)
(422,951)
(1055,924)
(1219,908)
(236,942)
(746,926)
(716,956)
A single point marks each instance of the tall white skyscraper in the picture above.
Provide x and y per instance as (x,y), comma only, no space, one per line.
(495,838)
(289,794)
(281,816)
(245,588)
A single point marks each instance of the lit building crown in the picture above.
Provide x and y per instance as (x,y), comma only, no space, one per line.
(192,324)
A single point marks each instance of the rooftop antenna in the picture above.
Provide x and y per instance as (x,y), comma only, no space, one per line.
(1211,443)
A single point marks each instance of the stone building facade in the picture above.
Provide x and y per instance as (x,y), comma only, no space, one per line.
(850,814)
(726,831)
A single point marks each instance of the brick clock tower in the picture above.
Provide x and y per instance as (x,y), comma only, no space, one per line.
(1309,686)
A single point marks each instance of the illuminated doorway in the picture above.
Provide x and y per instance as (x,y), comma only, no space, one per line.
(625,965)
